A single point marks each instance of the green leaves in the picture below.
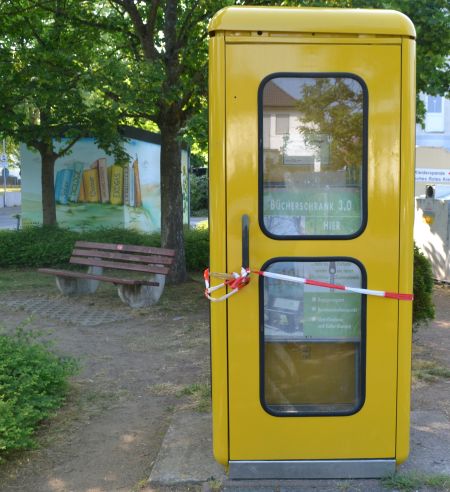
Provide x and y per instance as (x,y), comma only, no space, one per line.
(423,307)
(33,383)
(51,72)
(52,246)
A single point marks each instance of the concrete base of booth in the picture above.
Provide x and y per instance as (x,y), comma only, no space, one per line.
(241,470)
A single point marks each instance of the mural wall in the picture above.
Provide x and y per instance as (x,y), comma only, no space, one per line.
(91,191)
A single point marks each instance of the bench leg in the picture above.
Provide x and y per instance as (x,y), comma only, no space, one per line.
(140,296)
(78,286)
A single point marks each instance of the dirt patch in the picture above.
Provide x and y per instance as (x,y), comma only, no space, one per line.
(431,359)
(143,366)
(135,374)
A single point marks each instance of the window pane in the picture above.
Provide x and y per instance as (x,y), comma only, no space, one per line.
(312,340)
(282,124)
(313,159)
(434,104)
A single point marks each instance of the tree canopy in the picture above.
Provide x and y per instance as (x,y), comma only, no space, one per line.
(50,81)
(72,68)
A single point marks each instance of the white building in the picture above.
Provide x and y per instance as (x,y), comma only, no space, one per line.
(432,219)
(433,146)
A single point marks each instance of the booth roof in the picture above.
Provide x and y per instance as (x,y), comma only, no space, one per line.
(313,20)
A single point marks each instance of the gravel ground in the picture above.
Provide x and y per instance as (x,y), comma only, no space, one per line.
(141,367)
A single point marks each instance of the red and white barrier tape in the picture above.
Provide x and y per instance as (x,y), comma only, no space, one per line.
(237,281)
(234,281)
(325,285)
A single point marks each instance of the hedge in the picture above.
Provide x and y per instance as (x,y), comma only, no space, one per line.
(38,246)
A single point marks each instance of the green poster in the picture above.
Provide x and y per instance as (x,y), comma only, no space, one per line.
(332,314)
(310,212)
(309,311)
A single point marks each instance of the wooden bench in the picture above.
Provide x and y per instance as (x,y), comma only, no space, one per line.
(136,292)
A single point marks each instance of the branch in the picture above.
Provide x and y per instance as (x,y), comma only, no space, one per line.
(189,20)
(68,147)
(138,114)
(193,83)
(145,36)
(170,30)
(188,15)
(184,36)
(89,22)
(151,17)
(36,34)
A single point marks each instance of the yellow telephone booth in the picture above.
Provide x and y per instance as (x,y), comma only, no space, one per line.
(311,186)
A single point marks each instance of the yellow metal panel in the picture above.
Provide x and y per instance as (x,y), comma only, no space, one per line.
(319,20)
(371,432)
(245,38)
(406,248)
(217,227)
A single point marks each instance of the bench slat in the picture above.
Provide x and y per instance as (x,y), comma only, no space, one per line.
(124,248)
(150,259)
(113,280)
(118,265)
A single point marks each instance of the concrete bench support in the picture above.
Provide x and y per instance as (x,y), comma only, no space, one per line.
(140,296)
(78,286)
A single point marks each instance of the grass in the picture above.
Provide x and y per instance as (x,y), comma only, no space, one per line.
(17,279)
(183,298)
(214,484)
(429,371)
(199,395)
(140,485)
(416,481)
(202,212)
(165,389)
(12,279)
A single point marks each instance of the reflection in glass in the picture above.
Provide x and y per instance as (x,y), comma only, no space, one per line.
(312,340)
(313,155)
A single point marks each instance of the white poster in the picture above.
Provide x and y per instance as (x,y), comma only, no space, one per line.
(429,175)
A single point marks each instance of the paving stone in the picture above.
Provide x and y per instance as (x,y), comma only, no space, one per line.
(430,443)
(185,455)
(65,310)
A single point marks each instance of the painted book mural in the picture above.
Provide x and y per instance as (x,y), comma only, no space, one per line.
(92,191)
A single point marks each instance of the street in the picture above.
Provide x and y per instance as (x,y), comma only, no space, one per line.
(8,219)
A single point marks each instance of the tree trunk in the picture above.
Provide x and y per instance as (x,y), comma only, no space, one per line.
(172,200)
(48,158)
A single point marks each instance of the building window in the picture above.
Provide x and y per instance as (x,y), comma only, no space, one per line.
(434,104)
(434,119)
(282,124)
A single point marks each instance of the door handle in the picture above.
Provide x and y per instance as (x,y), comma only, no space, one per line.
(245,242)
